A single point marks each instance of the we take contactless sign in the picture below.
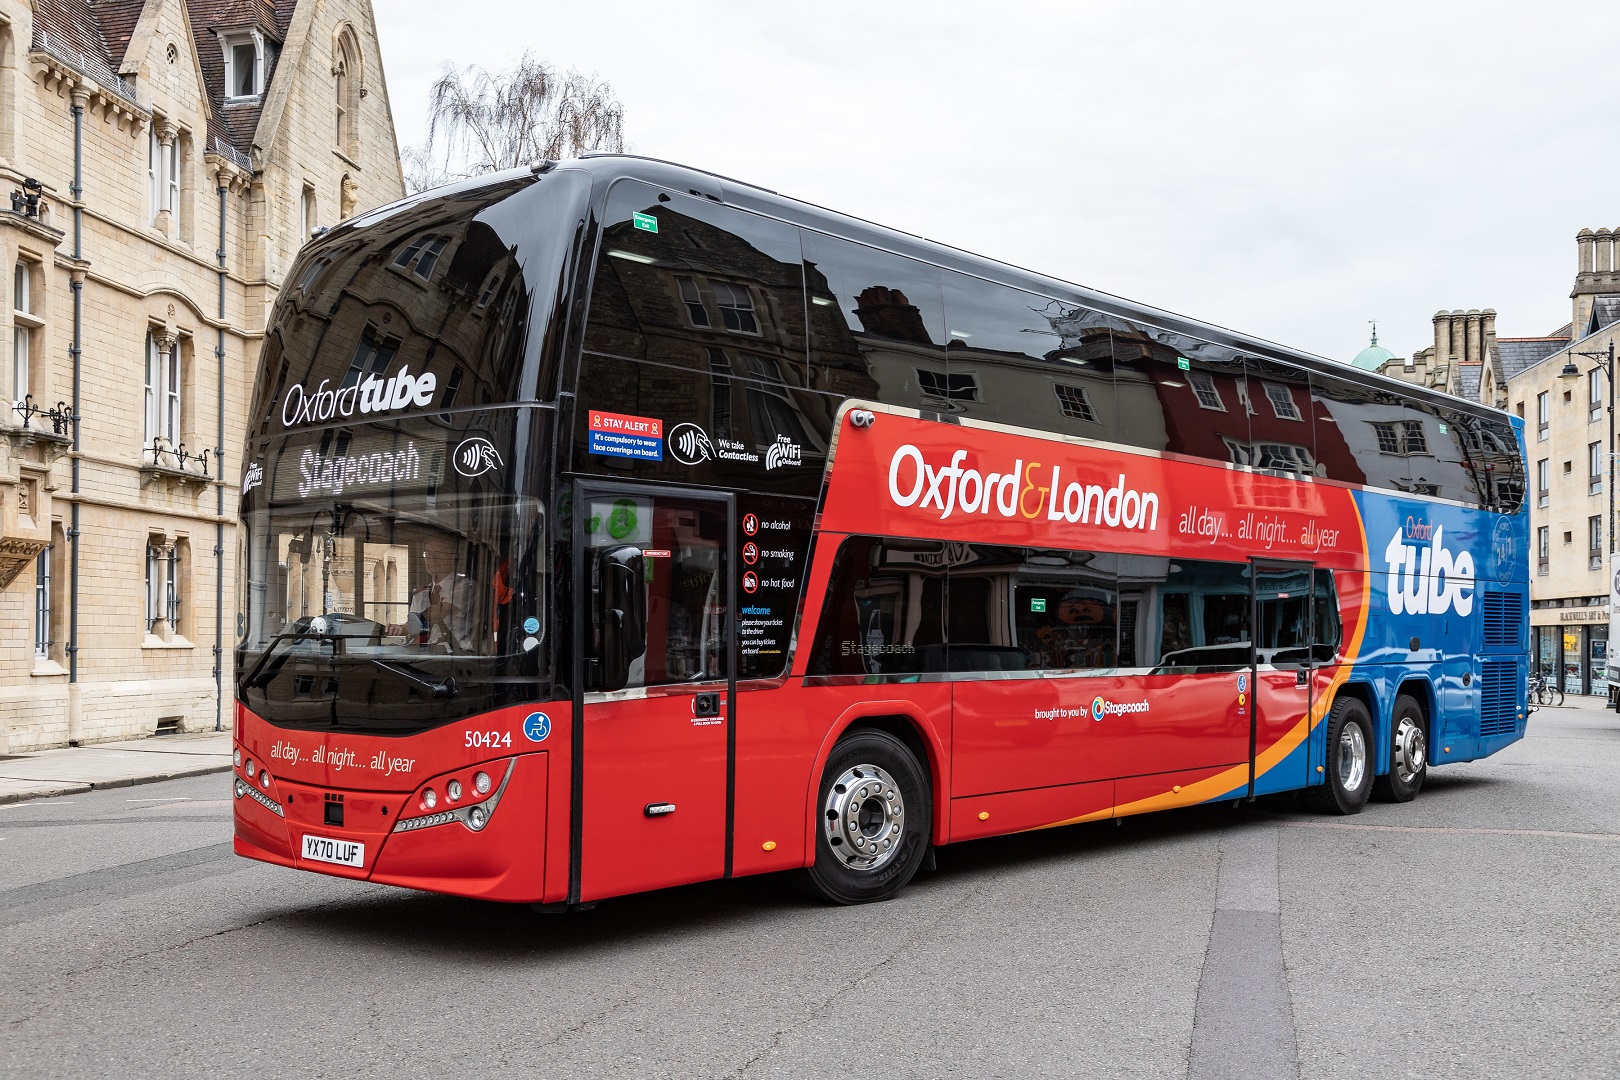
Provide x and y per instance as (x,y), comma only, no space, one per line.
(622,435)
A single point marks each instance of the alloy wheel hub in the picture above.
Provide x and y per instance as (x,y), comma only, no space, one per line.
(864,818)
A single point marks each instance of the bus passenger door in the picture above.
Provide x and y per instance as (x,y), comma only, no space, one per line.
(656,592)
(1285,661)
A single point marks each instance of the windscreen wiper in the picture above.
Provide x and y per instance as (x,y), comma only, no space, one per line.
(443,690)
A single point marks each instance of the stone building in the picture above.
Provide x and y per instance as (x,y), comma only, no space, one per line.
(1556,382)
(164,161)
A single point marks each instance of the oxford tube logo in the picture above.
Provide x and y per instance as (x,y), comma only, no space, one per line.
(1427,579)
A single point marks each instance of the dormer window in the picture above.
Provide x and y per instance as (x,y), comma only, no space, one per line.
(246,61)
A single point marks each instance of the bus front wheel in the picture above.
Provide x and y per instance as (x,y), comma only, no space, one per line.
(1349,761)
(874,818)
(1408,754)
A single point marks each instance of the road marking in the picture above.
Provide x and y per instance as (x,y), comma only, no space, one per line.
(1243,1023)
(1451,831)
(177,798)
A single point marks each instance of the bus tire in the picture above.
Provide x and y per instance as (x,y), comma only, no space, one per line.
(1408,754)
(1349,761)
(874,815)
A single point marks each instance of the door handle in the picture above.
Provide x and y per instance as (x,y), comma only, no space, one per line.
(706,704)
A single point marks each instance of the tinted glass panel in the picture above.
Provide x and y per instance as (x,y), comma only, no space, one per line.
(1201,615)
(1282,421)
(686,607)
(1388,443)
(1035,362)
(877,326)
(677,277)
(885,610)
(1031,609)
(1477,460)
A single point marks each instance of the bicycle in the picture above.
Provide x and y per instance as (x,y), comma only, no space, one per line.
(1543,691)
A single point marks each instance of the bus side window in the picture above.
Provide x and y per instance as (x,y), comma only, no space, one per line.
(1202,615)
(1033,361)
(1031,609)
(1282,419)
(1386,439)
(885,611)
(677,275)
(877,326)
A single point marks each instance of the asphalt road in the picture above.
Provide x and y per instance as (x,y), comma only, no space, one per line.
(1472,933)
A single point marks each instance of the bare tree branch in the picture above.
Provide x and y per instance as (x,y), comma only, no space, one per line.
(481,121)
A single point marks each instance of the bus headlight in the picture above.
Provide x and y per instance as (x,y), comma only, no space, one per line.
(249,769)
(452,790)
(476,818)
(236,757)
(430,799)
(481,783)
(241,788)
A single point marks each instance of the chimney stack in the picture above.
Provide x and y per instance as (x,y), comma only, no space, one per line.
(1584,243)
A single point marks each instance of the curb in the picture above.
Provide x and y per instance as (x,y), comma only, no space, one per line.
(80,787)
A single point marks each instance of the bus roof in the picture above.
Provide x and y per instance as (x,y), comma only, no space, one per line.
(747,196)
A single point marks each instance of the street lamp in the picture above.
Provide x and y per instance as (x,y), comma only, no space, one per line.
(1605,361)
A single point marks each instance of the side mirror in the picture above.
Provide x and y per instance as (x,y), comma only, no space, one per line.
(623,613)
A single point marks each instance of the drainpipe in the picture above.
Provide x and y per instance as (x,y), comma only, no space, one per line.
(219,482)
(81,97)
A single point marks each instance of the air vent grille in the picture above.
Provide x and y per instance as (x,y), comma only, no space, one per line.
(1498,711)
(1504,620)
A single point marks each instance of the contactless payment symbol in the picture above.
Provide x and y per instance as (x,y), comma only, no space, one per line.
(750,582)
(750,524)
(537,728)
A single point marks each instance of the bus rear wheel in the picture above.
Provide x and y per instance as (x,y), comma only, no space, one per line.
(1408,754)
(874,818)
(1349,761)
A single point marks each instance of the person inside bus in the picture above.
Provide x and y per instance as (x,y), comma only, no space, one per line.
(441,610)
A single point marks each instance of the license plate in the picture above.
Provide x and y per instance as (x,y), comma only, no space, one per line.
(341,852)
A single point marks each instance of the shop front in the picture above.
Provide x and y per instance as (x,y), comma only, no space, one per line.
(1571,646)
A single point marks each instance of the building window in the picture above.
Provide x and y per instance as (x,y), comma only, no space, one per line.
(306,213)
(1543,539)
(42,604)
(347,69)
(1413,441)
(1543,481)
(1594,395)
(1074,402)
(245,64)
(171,176)
(1543,414)
(1282,402)
(162,586)
(162,390)
(1594,468)
(1204,389)
(937,384)
(24,325)
(154,173)
(422,256)
(696,313)
(736,308)
(1594,542)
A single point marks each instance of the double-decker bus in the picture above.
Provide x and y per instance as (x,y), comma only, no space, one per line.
(612,525)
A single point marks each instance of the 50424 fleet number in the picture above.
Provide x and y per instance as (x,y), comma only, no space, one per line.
(489,740)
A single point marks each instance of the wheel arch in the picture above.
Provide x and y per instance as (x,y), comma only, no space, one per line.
(902,720)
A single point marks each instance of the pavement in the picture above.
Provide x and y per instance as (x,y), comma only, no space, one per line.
(72,770)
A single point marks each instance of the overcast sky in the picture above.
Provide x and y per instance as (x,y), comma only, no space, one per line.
(1289,170)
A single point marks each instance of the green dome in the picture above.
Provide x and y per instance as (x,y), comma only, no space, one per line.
(1374,356)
